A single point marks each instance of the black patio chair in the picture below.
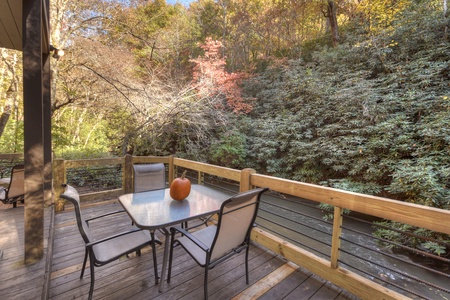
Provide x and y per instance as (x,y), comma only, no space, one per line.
(212,245)
(16,189)
(106,250)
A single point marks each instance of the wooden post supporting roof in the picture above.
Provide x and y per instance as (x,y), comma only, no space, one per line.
(36,98)
(47,108)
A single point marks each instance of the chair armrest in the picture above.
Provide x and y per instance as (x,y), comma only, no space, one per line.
(105,215)
(190,236)
(88,245)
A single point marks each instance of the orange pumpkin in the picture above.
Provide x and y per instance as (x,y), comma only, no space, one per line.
(180,187)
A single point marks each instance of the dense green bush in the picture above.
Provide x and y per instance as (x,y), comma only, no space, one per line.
(372,117)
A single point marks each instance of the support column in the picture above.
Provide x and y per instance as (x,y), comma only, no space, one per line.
(47,134)
(33,130)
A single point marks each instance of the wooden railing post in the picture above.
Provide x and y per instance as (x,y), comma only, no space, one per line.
(336,237)
(171,169)
(128,174)
(200,177)
(59,178)
(245,183)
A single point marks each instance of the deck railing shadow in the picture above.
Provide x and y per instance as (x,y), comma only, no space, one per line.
(325,255)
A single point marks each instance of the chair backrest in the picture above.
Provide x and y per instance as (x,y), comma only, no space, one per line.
(149,177)
(17,185)
(236,218)
(72,195)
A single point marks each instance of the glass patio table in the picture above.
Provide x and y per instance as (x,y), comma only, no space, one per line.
(156,210)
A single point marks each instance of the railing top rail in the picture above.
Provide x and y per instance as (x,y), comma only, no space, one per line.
(150,159)
(93,162)
(413,214)
(10,156)
(223,172)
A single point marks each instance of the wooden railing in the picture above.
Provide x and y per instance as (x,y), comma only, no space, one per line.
(416,215)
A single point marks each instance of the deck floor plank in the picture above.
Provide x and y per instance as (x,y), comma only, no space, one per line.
(17,280)
(283,288)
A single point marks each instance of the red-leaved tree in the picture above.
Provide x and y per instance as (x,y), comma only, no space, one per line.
(212,81)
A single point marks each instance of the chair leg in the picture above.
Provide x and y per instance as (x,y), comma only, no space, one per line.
(91,267)
(155,263)
(84,263)
(205,283)
(246,263)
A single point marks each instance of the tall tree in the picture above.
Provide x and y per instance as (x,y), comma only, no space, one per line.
(10,82)
(331,15)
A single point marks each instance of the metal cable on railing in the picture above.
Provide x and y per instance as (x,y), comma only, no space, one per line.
(95,177)
(370,275)
(210,181)
(393,257)
(295,242)
(394,270)
(278,215)
(410,234)
(293,223)
(413,250)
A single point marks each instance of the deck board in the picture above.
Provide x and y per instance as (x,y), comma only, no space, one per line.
(17,280)
(132,277)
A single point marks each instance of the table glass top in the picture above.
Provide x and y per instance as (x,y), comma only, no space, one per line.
(156,209)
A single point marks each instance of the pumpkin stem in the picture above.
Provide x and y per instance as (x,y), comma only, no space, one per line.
(184,174)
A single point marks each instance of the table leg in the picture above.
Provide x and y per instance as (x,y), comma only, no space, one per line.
(152,234)
(164,265)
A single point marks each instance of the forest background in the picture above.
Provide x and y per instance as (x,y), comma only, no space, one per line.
(353,94)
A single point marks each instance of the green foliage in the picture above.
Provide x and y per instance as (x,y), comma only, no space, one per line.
(392,234)
(229,150)
(11,140)
(79,133)
(435,248)
(329,214)
(369,117)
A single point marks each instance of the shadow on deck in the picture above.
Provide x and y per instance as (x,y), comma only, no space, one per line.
(271,277)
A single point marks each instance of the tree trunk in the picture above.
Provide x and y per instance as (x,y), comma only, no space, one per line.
(332,19)
(4,118)
(11,95)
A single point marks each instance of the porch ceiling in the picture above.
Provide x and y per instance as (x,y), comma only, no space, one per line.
(11,24)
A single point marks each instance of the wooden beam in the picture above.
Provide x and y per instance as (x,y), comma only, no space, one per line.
(33,130)
(47,133)
(259,288)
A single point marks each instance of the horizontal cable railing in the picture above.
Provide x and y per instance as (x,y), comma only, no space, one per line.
(303,224)
(306,230)
(404,269)
(96,178)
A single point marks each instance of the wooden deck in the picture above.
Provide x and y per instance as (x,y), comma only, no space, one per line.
(132,278)
(18,281)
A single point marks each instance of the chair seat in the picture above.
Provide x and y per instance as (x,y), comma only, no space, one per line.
(214,244)
(113,249)
(103,251)
(206,236)
(4,182)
